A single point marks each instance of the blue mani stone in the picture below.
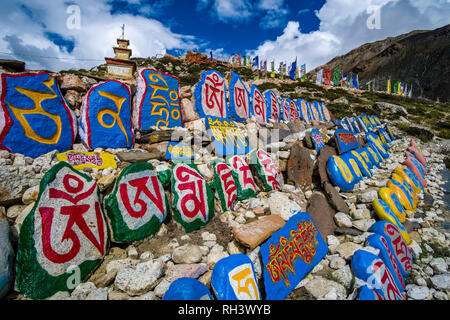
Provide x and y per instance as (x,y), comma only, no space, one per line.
(311,108)
(413,177)
(233,278)
(319,110)
(210,95)
(349,125)
(353,166)
(375,139)
(388,128)
(179,151)
(368,294)
(373,271)
(317,139)
(355,125)
(239,107)
(227,137)
(105,120)
(304,112)
(157,101)
(365,155)
(340,173)
(384,138)
(345,140)
(364,167)
(385,134)
(396,243)
(362,124)
(376,151)
(387,255)
(273,105)
(373,121)
(325,112)
(187,289)
(290,254)
(34,118)
(374,156)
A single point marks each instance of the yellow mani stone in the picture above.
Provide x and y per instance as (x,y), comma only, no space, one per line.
(384,214)
(402,196)
(408,187)
(396,206)
(80,160)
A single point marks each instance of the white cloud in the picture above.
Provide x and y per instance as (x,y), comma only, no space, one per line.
(343,27)
(94,40)
(233,10)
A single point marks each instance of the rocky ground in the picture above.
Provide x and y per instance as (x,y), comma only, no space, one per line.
(145,269)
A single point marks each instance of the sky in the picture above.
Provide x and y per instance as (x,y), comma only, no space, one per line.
(60,35)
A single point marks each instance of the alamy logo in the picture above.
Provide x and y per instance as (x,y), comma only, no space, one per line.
(374,20)
(73,22)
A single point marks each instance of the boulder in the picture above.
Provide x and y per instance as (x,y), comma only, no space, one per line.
(324,154)
(322,214)
(391,108)
(300,166)
(335,198)
(6,255)
(253,234)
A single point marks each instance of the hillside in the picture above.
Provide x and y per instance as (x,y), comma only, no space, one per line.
(420,58)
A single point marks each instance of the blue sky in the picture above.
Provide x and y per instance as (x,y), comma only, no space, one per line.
(61,34)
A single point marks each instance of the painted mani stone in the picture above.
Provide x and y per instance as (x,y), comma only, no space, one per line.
(392,200)
(373,121)
(353,166)
(259,106)
(383,133)
(376,141)
(385,213)
(361,162)
(410,177)
(290,254)
(319,110)
(340,173)
(273,106)
(391,134)
(285,110)
(345,140)
(304,111)
(407,186)
(356,126)
(233,278)
(349,125)
(325,113)
(293,110)
(239,108)
(105,120)
(80,160)
(227,137)
(414,166)
(372,270)
(187,289)
(266,169)
(396,242)
(137,206)
(402,194)
(365,154)
(242,174)
(373,156)
(210,96)
(34,118)
(368,294)
(225,185)
(192,198)
(157,101)
(179,151)
(314,112)
(418,155)
(366,121)
(362,124)
(64,237)
(387,255)
(317,139)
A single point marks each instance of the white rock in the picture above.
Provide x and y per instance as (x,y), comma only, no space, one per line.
(441,281)
(281,205)
(363,224)
(148,296)
(121,264)
(342,220)
(98,294)
(368,196)
(60,295)
(147,255)
(322,288)
(83,290)
(332,240)
(139,281)
(161,288)
(417,292)
(206,236)
(336,262)
(343,276)
(215,254)
(188,253)
(439,265)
